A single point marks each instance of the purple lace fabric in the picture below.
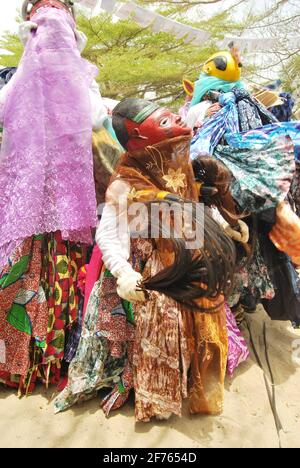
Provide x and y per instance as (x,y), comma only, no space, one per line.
(46,165)
(238,351)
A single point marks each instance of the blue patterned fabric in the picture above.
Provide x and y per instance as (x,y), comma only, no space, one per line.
(244,123)
(261,177)
(214,128)
(284,112)
(255,139)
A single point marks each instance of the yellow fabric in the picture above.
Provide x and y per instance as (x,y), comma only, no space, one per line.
(162,195)
(199,186)
(170,333)
(188,87)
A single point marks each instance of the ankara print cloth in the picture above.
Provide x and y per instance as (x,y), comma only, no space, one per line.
(257,138)
(261,177)
(93,366)
(38,303)
(61,263)
(105,354)
(23,307)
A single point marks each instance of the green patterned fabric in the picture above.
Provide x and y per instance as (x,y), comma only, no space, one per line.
(19,319)
(93,367)
(261,177)
(17,270)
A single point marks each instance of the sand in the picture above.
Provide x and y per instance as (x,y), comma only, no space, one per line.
(247,421)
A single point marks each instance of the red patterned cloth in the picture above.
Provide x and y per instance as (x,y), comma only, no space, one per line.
(38,303)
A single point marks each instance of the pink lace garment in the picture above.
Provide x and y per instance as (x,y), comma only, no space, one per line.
(238,351)
(46,165)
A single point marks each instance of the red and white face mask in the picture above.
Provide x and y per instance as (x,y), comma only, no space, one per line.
(28,12)
(159,126)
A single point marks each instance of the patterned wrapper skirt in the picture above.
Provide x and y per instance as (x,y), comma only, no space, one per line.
(295,189)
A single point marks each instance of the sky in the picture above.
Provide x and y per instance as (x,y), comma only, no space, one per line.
(9,13)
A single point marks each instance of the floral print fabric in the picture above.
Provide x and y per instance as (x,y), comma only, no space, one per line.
(93,366)
(23,311)
(38,302)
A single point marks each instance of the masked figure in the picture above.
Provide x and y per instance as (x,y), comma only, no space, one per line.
(155,324)
(48,204)
(260,153)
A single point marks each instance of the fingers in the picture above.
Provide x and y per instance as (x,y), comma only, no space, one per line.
(25,30)
(213,110)
(239,236)
(128,287)
(131,295)
(234,235)
(244,231)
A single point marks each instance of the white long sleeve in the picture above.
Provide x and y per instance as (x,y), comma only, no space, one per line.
(112,234)
(196,114)
(99,111)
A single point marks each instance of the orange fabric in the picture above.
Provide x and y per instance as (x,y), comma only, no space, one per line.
(162,167)
(169,339)
(209,361)
(285,235)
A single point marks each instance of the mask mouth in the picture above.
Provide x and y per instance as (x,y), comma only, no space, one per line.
(187,130)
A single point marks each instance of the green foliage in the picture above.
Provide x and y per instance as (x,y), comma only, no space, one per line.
(291,74)
(132,60)
(12,44)
(290,77)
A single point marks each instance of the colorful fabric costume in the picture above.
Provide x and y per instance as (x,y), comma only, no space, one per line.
(260,153)
(160,316)
(48,205)
(46,140)
(39,301)
(91,371)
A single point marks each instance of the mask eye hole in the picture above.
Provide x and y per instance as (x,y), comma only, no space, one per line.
(165,122)
(220,63)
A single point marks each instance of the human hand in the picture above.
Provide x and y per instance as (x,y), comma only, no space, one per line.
(24,31)
(212,110)
(239,236)
(128,284)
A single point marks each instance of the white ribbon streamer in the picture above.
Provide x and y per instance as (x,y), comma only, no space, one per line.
(159,23)
(87,3)
(108,5)
(251,44)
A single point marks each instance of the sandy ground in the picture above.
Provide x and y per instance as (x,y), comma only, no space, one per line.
(247,420)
